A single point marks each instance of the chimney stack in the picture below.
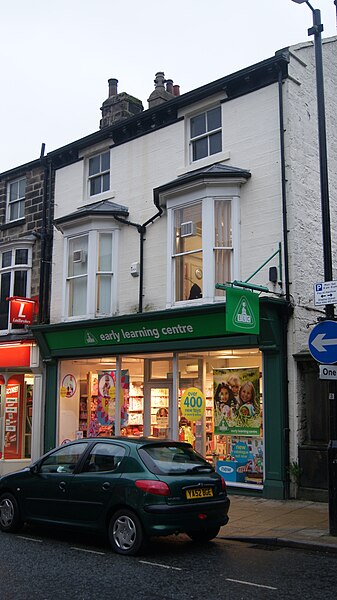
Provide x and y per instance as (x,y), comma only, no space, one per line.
(118,107)
(160,94)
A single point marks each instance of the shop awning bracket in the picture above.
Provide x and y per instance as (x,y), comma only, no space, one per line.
(252,286)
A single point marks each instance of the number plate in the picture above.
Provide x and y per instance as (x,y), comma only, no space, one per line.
(199,493)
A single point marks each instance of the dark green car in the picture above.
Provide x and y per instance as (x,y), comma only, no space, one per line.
(130,488)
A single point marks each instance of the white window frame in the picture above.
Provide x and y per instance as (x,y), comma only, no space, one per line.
(207,194)
(100,174)
(20,201)
(92,269)
(205,135)
(12,268)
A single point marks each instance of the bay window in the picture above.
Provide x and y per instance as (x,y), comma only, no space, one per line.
(204,232)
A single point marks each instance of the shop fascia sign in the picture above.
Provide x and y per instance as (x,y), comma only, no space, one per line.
(21,310)
(139,332)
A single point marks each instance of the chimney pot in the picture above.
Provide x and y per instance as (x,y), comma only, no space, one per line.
(169,86)
(176,90)
(159,80)
(113,87)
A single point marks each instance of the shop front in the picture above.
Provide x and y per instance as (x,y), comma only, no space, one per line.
(179,375)
(17,398)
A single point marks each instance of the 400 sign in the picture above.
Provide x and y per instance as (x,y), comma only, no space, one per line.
(192,404)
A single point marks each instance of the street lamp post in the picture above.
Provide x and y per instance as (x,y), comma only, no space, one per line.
(316,31)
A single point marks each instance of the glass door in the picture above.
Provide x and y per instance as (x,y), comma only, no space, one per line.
(160,403)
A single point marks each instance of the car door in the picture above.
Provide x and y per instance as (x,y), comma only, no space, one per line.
(45,495)
(91,489)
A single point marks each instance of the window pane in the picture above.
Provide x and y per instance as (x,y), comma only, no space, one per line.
(215,143)
(77,297)
(14,191)
(198,125)
(199,149)
(222,222)
(188,283)
(77,256)
(214,119)
(7,258)
(22,188)
(14,211)
(105,252)
(21,256)
(20,283)
(105,182)
(103,305)
(222,268)
(191,217)
(94,165)
(95,186)
(105,161)
(4,305)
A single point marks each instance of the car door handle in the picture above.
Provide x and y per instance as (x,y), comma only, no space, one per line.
(62,486)
(105,485)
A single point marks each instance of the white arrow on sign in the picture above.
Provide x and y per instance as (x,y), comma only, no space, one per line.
(319,342)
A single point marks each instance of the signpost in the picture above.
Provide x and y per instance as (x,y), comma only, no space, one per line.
(323,342)
(325,293)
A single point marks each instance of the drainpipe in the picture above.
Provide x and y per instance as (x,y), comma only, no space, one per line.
(141,230)
(46,241)
(286,277)
(43,236)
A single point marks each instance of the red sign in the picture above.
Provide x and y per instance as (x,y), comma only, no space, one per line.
(21,310)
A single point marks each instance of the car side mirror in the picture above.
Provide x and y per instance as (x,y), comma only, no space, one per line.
(34,469)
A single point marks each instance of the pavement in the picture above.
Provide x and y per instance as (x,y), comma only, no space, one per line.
(291,523)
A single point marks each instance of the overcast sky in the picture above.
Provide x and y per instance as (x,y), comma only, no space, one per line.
(57,56)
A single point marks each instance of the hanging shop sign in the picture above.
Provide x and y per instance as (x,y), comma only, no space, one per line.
(21,310)
(192,404)
(242,311)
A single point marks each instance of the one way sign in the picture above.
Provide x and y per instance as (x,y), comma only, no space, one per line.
(323,342)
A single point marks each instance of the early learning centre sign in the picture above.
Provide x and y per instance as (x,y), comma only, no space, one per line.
(242,311)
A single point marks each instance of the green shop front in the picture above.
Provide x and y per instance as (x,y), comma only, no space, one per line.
(178,374)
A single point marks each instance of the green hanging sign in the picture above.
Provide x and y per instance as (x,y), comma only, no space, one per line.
(242,311)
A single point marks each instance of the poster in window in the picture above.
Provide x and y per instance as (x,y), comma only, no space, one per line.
(237,401)
(11,418)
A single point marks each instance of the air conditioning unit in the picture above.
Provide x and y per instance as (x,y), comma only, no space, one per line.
(187,229)
(79,256)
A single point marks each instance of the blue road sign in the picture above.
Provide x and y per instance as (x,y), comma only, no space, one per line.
(323,342)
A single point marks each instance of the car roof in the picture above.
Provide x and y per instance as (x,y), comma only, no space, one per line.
(130,440)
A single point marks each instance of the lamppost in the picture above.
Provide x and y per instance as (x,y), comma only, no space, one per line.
(316,31)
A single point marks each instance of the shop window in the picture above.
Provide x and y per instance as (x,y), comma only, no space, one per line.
(204,239)
(16,412)
(16,191)
(15,276)
(90,278)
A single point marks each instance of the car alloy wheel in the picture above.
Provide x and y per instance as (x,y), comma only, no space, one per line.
(125,532)
(10,519)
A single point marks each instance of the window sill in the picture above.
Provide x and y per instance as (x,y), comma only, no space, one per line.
(205,162)
(12,224)
(110,195)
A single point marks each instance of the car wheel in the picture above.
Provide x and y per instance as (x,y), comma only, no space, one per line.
(204,535)
(10,518)
(125,532)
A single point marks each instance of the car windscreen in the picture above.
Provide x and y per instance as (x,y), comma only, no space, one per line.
(173,459)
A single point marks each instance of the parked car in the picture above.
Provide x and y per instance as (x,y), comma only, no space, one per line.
(129,488)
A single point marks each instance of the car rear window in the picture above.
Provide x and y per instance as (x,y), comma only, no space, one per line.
(173,459)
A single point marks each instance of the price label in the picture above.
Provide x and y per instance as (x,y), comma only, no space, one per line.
(192,404)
